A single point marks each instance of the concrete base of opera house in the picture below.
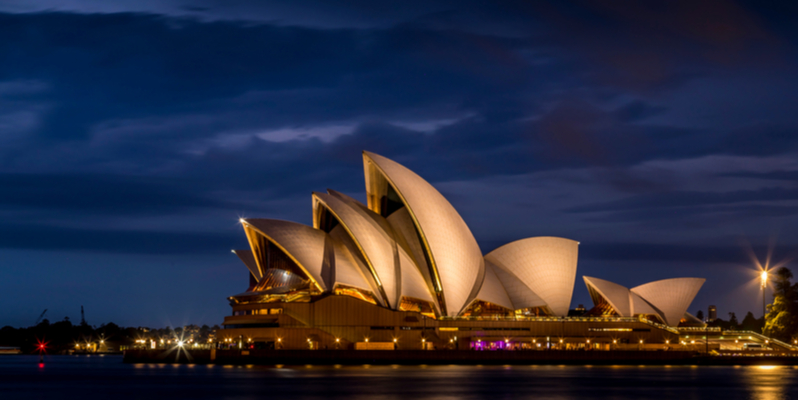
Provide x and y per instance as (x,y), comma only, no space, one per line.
(442,357)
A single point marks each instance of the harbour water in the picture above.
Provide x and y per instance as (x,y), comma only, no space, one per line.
(106,377)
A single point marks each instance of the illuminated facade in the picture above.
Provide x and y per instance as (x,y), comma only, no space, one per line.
(407,261)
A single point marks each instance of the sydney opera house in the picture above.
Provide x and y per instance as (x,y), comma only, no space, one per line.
(405,272)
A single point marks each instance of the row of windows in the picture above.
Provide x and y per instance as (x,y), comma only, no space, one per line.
(262,311)
(505,329)
(265,325)
(619,329)
(412,328)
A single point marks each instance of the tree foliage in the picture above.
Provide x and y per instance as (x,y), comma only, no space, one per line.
(63,335)
(781,321)
(734,322)
(750,323)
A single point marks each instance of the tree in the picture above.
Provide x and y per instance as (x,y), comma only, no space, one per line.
(783,282)
(781,320)
(734,322)
(700,315)
(110,331)
(750,323)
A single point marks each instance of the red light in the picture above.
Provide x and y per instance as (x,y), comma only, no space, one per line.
(41,345)
(41,365)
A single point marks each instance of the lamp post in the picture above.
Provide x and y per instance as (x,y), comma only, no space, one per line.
(764,278)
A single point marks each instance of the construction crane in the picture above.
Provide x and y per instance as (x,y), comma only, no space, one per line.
(40,317)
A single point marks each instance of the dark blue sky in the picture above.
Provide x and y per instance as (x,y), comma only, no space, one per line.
(133,135)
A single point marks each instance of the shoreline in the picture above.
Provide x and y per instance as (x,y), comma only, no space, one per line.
(444,357)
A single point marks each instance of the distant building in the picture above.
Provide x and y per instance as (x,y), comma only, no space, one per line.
(577,311)
(712,313)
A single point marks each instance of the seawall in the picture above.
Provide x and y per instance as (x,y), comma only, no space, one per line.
(462,357)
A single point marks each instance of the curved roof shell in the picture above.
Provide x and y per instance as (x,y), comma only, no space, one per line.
(345,269)
(520,295)
(375,244)
(492,290)
(383,238)
(617,296)
(250,262)
(547,265)
(348,254)
(670,296)
(641,306)
(456,262)
(303,244)
(326,261)
(666,299)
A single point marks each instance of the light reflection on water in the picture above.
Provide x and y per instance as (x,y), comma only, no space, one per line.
(764,382)
(108,378)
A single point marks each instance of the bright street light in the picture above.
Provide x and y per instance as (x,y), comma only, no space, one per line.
(764,279)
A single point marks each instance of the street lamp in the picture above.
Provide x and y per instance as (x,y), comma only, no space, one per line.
(764,279)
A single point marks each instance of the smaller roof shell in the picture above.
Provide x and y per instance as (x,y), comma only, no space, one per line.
(671,296)
(616,295)
(250,262)
(547,265)
(303,244)
(520,295)
(492,291)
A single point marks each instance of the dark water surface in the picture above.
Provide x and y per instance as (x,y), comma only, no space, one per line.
(106,377)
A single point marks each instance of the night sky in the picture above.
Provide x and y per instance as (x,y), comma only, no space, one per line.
(133,135)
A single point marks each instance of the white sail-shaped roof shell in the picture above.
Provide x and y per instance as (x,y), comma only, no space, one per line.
(641,306)
(345,245)
(306,246)
(618,296)
(492,291)
(457,262)
(412,284)
(250,262)
(520,295)
(345,269)
(392,265)
(670,296)
(547,265)
(372,241)
(303,244)
(667,299)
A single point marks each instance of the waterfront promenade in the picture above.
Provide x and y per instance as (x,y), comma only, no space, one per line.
(446,357)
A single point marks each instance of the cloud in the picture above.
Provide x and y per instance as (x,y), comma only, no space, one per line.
(101,194)
(772,175)
(675,252)
(677,199)
(36,237)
